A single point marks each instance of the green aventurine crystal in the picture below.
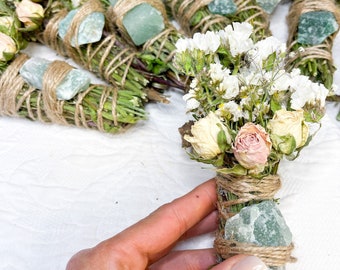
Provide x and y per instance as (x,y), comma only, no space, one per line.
(222,7)
(268,5)
(90,29)
(142,23)
(261,224)
(74,82)
(315,26)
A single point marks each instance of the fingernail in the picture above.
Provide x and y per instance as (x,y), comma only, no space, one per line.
(250,263)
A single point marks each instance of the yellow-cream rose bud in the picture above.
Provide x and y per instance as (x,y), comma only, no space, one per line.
(7,22)
(289,123)
(204,137)
(7,45)
(28,12)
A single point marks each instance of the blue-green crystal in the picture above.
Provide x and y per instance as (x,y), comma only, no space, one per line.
(261,224)
(268,5)
(222,7)
(143,22)
(90,29)
(74,82)
(315,26)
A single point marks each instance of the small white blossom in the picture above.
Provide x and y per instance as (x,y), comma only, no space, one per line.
(279,80)
(207,42)
(233,108)
(306,92)
(191,101)
(231,87)
(237,37)
(217,72)
(263,48)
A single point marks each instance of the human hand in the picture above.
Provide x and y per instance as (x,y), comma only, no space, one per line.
(148,243)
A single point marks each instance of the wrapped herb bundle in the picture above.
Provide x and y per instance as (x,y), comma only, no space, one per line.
(100,107)
(201,16)
(109,57)
(248,114)
(313,25)
(144,25)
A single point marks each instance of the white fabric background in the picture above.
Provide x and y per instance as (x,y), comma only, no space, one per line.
(63,189)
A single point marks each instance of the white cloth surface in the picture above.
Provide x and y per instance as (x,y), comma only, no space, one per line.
(63,189)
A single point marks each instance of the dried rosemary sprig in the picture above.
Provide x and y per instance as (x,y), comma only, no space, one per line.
(100,107)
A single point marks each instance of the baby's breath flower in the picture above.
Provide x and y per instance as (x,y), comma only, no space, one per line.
(237,37)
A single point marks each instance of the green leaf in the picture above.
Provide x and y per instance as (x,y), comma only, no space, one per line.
(237,170)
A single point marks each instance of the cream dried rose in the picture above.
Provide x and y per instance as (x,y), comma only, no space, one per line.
(204,137)
(29,12)
(286,124)
(7,46)
(252,147)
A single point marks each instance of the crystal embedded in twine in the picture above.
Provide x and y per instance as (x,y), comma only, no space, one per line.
(268,5)
(222,7)
(315,26)
(261,224)
(143,22)
(90,29)
(74,82)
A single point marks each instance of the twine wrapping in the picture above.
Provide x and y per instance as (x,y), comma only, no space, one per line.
(248,11)
(117,12)
(244,190)
(111,58)
(184,10)
(321,52)
(19,99)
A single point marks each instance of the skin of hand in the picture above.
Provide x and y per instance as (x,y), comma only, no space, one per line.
(148,243)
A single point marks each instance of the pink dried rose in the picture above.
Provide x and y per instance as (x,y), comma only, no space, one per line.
(252,147)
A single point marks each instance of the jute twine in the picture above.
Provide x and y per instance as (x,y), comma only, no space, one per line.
(117,12)
(246,189)
(17,95)
(322,51)
(184,10)
(84,55)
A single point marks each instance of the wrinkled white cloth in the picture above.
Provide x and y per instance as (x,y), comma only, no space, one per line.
(63,189)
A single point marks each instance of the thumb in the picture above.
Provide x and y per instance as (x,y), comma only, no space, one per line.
(241,262)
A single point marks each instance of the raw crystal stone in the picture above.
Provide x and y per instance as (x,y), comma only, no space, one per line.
(33,71)
(268,5)
(113,2)
(261,224)
(90,29)
(315,26)
(143,22)
(222,7)
(74,82)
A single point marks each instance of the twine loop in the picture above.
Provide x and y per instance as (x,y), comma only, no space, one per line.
(247,189)
(121,8)
(321,51)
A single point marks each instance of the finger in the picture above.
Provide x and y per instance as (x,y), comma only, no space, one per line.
(207,225)
(186,259)
(153,236)
(241,262)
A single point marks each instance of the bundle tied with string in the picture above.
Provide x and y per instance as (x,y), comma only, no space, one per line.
(99,107)
(158,51)
(195,16)
(184,12)
(109,58)
(235,192)
(314,61)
